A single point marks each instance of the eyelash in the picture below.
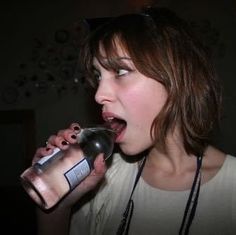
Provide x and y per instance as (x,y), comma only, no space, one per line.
(118,73)
(122,72)
(97,76)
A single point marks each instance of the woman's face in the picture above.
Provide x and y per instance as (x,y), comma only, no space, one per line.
(128,95)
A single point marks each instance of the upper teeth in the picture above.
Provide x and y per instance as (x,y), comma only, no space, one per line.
(110,119)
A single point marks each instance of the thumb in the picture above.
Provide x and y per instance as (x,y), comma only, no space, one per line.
(100,165)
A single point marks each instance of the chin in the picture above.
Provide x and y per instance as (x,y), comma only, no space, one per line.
(131,150)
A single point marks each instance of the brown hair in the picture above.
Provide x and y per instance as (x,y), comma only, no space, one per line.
(162,46)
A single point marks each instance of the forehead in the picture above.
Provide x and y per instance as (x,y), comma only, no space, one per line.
(112,52)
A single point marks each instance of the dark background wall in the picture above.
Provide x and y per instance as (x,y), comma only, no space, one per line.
(42,89)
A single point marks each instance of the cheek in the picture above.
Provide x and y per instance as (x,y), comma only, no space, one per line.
(145,106)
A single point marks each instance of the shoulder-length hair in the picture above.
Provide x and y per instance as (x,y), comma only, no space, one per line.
(163,47)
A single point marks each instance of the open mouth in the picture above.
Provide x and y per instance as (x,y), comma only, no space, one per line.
(116,124)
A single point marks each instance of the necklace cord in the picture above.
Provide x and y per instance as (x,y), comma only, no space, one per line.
(191,205)
(127,215)
(190,208)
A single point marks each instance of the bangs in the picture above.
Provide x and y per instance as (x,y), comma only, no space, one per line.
(106,42)
(108,53)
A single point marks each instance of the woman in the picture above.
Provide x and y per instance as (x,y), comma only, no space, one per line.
(154,79)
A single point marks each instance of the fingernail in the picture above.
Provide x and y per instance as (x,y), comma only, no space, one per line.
(73,136)
(64,142)
(47,149)
(76,128)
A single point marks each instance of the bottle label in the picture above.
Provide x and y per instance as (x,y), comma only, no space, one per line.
(77,173)
(57,153)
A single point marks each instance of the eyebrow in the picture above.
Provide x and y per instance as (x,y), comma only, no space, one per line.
(115,58)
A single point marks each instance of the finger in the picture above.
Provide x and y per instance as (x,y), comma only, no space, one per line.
(97,173)
(75,127)
(100,165)
(51,140)
(93,179)
(41,152)
(58,141)
(69,135)
(61,132)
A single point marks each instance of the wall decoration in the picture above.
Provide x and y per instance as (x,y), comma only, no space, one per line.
(52,66)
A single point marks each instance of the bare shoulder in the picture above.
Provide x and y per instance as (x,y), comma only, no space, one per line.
(213,160)
(214,157)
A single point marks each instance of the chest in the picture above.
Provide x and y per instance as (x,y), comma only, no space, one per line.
(158,210)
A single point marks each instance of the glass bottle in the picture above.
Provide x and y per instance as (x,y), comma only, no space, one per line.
(54,176)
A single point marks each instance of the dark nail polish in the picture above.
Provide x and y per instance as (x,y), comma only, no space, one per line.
(73,136)
(47,149)
(76,128)
(64,142)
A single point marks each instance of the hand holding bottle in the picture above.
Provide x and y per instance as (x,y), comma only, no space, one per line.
(77,171)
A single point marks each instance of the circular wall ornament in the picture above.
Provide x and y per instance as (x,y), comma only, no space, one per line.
(10,95)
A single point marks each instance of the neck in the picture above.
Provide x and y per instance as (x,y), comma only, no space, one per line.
(173,169)
(174,159)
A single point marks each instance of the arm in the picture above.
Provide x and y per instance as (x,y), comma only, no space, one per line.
(53,222)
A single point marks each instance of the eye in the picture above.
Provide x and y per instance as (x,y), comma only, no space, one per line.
(122,72)
(96,76)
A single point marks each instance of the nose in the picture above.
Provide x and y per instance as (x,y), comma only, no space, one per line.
(105,92)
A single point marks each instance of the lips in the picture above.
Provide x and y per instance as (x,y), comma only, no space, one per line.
(114,122)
